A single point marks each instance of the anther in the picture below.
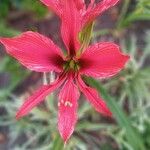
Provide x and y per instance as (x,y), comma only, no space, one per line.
(58,104)
(67,103)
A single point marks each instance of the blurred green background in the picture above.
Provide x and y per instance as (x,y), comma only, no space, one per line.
(127,94)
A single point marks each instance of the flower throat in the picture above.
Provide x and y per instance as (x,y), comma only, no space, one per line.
(71,65)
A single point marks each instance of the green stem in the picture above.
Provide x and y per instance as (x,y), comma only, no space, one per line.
(123,14)
(58,143)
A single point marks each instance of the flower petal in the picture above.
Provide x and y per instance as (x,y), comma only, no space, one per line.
(54,5)
(38,97)
(102,60)
(34,51)
(68,11)
(94,98)
(99,8)
(80,4)
(71,26)
(67,116)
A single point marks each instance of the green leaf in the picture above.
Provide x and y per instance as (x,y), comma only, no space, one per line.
(4,8)
(141,12)
(58,143)
(133,138)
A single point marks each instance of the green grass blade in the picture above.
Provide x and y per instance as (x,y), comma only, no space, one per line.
(131,135)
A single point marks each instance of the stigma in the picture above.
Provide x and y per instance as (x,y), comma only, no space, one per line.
(71,65)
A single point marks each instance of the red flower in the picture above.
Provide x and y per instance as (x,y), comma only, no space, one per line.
(40,54)
(75,15)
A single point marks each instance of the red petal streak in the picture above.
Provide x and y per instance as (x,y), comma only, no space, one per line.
(34,51)
(94,98)
(102,60)
(38,97)
(67,116)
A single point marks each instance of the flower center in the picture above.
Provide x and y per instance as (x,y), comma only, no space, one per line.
(71,65)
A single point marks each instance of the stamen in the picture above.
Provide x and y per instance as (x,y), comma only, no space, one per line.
(67,103)
(58,104)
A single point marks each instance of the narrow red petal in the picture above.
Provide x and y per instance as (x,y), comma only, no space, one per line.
(38,97)
(94,98)
(71,25)
(99,8)
(69,13)
(34,51)
(102,60)
(67,116)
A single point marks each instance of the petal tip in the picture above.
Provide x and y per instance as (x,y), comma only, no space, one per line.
(2,40)
(18,116)
(109,114)
(106,112)
(65,134)
(65,138)
(126,58)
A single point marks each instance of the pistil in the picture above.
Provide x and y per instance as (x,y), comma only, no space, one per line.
(71,65)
